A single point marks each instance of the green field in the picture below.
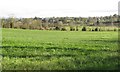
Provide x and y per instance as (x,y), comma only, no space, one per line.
(59,50)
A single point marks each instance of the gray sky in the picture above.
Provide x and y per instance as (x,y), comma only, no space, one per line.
(50,8)
(119,8)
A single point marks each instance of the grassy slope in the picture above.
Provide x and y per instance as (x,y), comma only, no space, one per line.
(47,50)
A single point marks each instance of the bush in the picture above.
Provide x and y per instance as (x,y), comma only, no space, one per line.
(77,29)
(109,30)
(72,29)
(84,29)
(96,29)
(63,29)
(118,29)
(57,28)
(24,26)
(52,28)
(92,29)
(115,29)
(101,29)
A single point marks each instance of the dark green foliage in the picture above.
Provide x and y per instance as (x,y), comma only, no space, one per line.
(102,29)
(99,29)
(72,28)
(84,29)
(98,22)
(93,30)
(63,29)
(115,29)
(57,28)
(119,29)
(108,29)
(96,29)
(77,28)
(52,28)
(11,25)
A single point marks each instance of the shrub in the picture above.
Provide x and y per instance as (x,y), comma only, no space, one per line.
(77,29)
(96,29)
(118,29)
(24,26)
(92,29)
(57,28)
(72,29)
(63,29)
(84,29)
(115,29)
(52,28)
(109,30)
(101,29)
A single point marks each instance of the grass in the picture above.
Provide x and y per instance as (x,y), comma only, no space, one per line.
(59,50)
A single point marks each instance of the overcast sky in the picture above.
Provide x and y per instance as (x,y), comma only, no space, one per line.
(50,8)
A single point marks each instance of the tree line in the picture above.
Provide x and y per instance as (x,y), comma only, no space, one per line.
(60,23)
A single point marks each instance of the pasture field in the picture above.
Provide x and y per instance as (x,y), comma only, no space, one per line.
(59,50)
